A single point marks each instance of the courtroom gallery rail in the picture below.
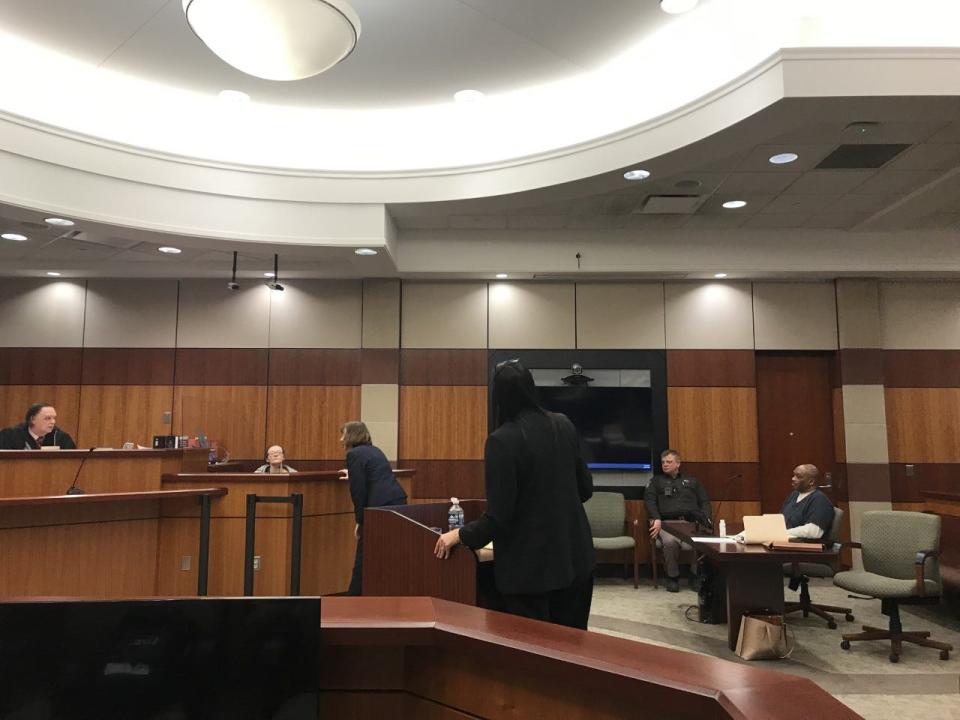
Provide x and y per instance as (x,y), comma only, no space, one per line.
(489,664)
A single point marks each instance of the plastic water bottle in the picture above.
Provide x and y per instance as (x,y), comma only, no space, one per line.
(723,528)
(455,514)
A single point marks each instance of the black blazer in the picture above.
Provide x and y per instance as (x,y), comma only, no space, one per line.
(18,437)
(536,486)
(372,482)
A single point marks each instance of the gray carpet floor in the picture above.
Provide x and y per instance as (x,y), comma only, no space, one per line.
(920,685)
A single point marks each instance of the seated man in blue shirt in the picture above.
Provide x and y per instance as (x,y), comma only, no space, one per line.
(807,511)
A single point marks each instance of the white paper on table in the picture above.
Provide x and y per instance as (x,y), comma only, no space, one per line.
(712,539)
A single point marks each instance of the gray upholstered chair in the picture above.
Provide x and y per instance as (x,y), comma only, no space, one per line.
(801,572)
(607,513)
(900,552)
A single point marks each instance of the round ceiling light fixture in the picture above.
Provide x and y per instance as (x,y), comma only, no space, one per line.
(16,237)
(364,251)
(276,39)
(59,222)
(637,174)
(734,204)
(783,158)
(720,276)
(468,96)
(169,250)
(51,273)
(502,276)
(678,7)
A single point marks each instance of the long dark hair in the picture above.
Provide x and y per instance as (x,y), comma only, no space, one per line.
(513,392)
(33,411)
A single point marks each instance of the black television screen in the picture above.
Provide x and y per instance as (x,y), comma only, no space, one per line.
(240,658)
(615,423)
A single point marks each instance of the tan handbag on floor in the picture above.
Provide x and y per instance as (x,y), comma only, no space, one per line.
(763,636)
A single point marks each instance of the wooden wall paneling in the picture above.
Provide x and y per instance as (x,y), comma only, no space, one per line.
(306,420)
(44,515)
(935,477)
(861,366)
(713,424)
(442,423)
(179,537)
(221,366)
(25,478)
(728,480)
(272,545)
(234,416)
(380,366)
(128,366)
(97,560)
(315,367)
(111,415)
(40,366)
(921,368)
(923,425)
(443,367)
(15,399)
(711,368)
(447,478)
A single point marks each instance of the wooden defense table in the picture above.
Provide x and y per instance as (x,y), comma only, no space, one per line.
(417,657)
(749,577)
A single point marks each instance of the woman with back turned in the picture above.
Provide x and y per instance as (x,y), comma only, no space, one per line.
(536,486)
(372,484)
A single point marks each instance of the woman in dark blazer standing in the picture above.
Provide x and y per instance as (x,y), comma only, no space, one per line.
(536,485)
(372,484)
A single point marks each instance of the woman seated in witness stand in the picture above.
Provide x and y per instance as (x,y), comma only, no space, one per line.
(536,486)
(275,465)
(372,484)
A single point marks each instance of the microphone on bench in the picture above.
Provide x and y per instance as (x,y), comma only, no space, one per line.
(73,489)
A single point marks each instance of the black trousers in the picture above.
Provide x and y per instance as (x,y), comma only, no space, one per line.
(356,577)
(568,606)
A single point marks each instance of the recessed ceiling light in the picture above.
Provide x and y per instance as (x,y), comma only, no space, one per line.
(719,276)
(636,174)
(268,274)
(59,222)
(170,250)
(783,158)
(468,96)
(51,273)
(675,7)
(234,96)
(502,276)
(364,251)
(734,204)
(16,237)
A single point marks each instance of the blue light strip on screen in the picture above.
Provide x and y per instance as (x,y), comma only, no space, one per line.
(619,466)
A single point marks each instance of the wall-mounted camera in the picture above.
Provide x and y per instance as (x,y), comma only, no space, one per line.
(233,286)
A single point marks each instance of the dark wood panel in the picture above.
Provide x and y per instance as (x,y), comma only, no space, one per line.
(921,368)
(795,419)
(713,424)
(711,368)
(727,480)
(868,482)
(128,366)
(221,366)
(40,366)
(861,366)
(235,417)
(380,366)
(442,423)
(447,478)
(443,367)
(932,477)
(315,366)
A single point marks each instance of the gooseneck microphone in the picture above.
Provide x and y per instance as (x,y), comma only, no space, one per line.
(73,489)
(726,487)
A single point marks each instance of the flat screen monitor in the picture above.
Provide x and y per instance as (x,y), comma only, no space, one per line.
(209,659)
(615,423)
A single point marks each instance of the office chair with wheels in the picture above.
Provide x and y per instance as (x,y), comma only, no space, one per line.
(607,514)
(900,552)
(801,572)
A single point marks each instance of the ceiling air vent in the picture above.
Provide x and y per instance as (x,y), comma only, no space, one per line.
(670,205)
(860,157)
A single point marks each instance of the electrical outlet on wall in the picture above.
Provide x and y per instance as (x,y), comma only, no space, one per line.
(908,470)
(167,417)
(256,562)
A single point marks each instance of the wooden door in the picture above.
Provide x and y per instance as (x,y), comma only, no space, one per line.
(795,418)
